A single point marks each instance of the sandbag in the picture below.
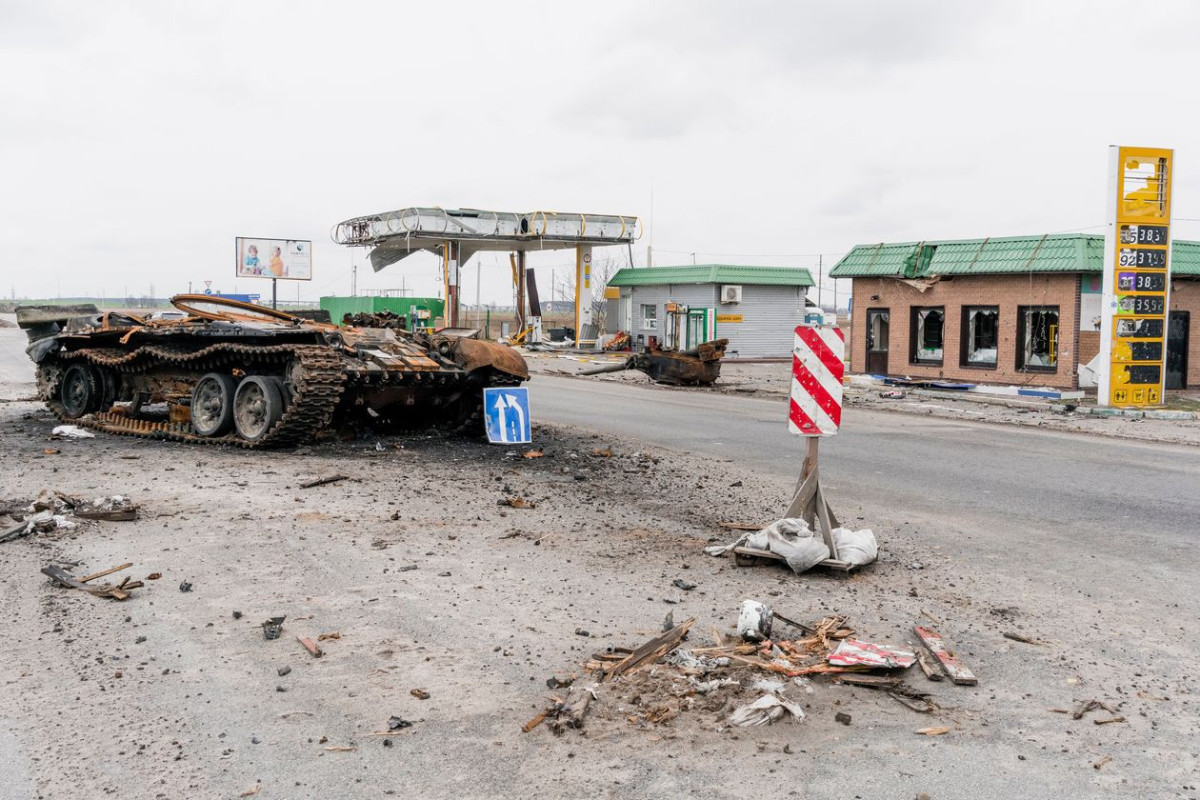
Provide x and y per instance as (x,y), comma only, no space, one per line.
(792,539)
(857,547)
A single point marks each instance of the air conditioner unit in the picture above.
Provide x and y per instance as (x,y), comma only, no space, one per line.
(731,294)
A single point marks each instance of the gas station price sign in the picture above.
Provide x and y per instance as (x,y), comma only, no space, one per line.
(1137,277)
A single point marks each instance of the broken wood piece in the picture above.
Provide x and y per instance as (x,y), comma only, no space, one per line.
(654,649)
(69,581)
(331,635)
(533,454)
(1101,762)
(343,749)
(938,731)
(515,501)
(570,715)
(14,532)
(1107,721)
(921,705)
(533,723)
(310,646)
(932,618)
(1016,637)
(1084,708)
(104,572)
(742,526)
(121,514)
(871,681)
(323,481)
(954,668)
(931,670)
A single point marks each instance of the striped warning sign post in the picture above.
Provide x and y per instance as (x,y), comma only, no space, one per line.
(818,366)
(815,410)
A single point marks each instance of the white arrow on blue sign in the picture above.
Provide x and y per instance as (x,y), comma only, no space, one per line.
(506,411)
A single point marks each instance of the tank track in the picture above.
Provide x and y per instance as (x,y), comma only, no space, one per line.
(322,379)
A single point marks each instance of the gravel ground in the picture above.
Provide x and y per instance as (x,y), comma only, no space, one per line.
(170,694)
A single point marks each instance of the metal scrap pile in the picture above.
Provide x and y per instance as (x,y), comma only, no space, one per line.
(380,319)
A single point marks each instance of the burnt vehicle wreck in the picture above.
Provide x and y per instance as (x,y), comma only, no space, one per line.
(235,373)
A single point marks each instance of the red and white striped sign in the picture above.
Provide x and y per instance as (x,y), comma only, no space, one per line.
(818,364)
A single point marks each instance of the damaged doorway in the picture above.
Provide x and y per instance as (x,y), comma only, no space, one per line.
(1177,345)
(877,341)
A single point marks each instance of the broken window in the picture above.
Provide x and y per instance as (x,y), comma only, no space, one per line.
(981,327)
(650,317)
(1037,338)
(928,324)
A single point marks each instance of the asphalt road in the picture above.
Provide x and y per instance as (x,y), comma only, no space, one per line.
(1084,491)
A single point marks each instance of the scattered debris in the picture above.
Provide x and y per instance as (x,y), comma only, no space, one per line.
(937,731)
(252,791)
(515,501)
(284,670)
(420,694)
(894,394)
(954,668)
(1102,762)
(273,627)
(72,432)
(118,592)
(652,650)
(396,724)
(793,541)
(582,632)
(323,481)
(764,711)
(153,576)
(185,586)
(1091,705)
(1107,721)
(344,749)
(310,646)
(602,453)
(680,583)
(842,717)
(332,635)
(851,652)
(534,454)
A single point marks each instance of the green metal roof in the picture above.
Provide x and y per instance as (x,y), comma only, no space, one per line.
(713,273)
(1061,252)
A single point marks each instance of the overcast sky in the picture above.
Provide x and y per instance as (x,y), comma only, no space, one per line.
(137,139)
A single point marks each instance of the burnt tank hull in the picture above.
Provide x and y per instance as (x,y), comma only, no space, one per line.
(224,372)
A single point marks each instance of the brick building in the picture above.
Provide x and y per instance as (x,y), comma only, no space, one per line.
(1016,310)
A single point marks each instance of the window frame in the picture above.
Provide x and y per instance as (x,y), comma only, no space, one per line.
(914,329)
(649,323)
(1022,313)
(965,339)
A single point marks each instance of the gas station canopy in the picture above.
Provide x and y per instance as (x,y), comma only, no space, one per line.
(396,234)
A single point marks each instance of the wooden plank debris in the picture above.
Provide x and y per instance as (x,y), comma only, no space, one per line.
(1101,762)
(955,669)
(653,650)
(931,670)
(936,731)
(1016,637)
(323,481)
(104,572)
(68,580)
(742,526)
(118,514)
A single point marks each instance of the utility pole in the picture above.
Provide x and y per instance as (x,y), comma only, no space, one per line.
(820,294)
(354,280)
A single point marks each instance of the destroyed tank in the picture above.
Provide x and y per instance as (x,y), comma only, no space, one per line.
(221,371)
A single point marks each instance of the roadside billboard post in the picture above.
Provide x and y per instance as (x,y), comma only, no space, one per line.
(1136,294)
(277,259)
(815,410)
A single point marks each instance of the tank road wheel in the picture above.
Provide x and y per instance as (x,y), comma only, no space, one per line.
(257,406)
(80,391)
(212,404)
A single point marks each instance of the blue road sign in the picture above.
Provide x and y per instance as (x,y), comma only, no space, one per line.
(507,414)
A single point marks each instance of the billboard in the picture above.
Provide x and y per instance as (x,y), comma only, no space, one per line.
(289,259)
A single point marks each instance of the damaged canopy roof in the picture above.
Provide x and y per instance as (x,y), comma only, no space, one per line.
(1062,252)
(396,234)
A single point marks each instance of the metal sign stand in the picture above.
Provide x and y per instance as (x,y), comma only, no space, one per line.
(809,503)
(816,410)
(274,282)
